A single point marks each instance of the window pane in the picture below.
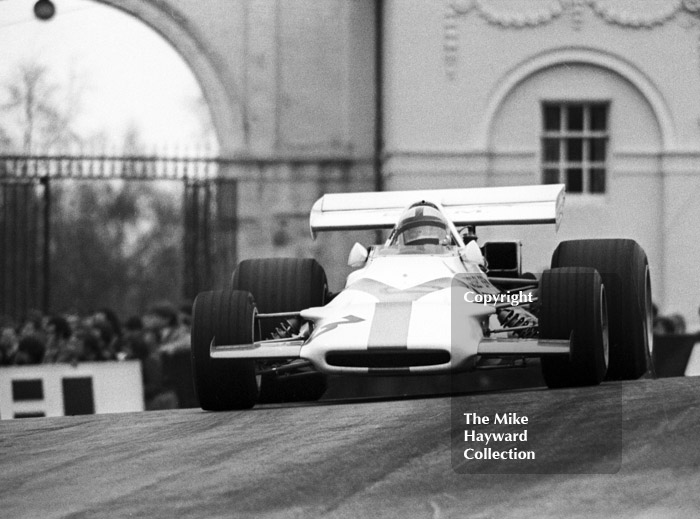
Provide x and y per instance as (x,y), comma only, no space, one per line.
(551,176)
(599,117)
(575,118)
(552,118)
(574,150)
(597,180)
(596,150)
(551,150)
(574,180)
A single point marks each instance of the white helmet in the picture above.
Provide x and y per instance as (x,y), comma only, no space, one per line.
(422,224)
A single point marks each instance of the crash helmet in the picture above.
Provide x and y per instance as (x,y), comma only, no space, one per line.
(422,224)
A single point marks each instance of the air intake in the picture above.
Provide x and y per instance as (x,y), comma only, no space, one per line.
(387,359)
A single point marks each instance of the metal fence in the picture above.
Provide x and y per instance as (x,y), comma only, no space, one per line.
(222,199)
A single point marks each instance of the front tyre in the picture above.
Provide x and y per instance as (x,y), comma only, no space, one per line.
(574,307)
(225,317)
(285,285)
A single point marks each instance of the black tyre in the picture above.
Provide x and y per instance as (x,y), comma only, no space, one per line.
(573,305)
(281,285)
(226,317)
(284,285)
(624,269)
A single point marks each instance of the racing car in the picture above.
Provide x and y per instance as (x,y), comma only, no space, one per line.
(429,300)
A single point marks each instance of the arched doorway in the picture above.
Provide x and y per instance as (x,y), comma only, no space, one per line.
(635,131)
(178,30)
(49,236)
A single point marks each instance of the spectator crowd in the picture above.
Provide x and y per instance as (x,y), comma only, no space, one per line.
(159,339)
(672,324)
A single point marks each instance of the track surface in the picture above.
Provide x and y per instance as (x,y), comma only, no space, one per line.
(386,458)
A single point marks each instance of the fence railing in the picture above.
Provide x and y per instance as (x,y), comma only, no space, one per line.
(227,203)
(155,167)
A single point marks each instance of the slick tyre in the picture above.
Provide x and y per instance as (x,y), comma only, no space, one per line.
(281,285)
(624,268)
(225,317)
(284,285)
(574,307)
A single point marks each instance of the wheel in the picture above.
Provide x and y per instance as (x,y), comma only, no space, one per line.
(574,306)
(226,317)
(624,269)
(281,285)
(284,285)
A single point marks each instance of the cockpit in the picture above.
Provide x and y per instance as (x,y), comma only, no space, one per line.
(420,225)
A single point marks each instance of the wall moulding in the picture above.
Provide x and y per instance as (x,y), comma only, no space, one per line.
(529,14)
(625,70)
(219,89)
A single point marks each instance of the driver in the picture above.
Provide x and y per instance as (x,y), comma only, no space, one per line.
(422,224)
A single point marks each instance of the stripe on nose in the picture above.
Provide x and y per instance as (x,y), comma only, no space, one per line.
(390,325)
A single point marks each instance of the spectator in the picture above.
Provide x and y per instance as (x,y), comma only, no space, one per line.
(31,325)
(185,312)
(94,348)
(136,346)
(105,347)
(132,333)
(8,341)
(133,324)
(174,350)
(58,332)
(30,350)
(73,318)
(663,326)
(678,323)
(74,349)
(695,328)
(673,324)
(108,316)
(172,335)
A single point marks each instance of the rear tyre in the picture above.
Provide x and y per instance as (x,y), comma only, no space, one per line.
(574,307)
(624,268)
(284,285)
(225,317)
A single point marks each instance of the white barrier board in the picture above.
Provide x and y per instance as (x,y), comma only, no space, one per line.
(63,389)
(693,367)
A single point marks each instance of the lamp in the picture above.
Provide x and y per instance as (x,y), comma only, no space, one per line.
(44,10)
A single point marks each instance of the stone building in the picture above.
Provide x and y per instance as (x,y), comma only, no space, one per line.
(603,95)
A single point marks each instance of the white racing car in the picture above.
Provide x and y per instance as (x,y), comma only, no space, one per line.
(427,301)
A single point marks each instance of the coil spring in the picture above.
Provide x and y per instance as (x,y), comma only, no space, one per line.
(517,317)
(286,329)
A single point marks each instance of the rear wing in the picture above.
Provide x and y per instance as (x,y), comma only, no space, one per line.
(472,206)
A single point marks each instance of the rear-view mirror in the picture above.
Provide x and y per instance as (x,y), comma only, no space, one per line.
(358,256)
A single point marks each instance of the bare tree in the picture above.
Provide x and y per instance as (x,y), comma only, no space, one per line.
(40,113)
(114,243)
(117,243)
